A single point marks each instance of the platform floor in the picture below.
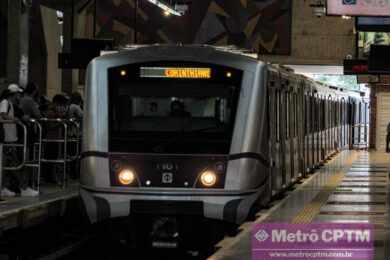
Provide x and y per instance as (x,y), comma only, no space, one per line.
(352,187)
(26,211)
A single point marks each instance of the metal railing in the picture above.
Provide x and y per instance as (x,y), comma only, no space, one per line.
(16,146)
(67,132)
(59,132)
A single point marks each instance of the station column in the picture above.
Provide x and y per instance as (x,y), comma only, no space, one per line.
(18,42)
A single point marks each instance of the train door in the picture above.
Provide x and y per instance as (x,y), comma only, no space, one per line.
(301,127)
(331,132)
(288,110)
(311,131)
(351,122)
(316,130)
(328,125)
(306,131)
(338,123)
(285,136)
(295,142)
(346,128)
(274,115)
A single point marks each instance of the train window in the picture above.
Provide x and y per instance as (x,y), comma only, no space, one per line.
(172,115)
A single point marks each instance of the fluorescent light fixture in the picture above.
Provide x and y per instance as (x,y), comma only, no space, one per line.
(165,7)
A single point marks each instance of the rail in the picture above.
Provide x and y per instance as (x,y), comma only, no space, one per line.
(63,134)
(33,152)
(16,145)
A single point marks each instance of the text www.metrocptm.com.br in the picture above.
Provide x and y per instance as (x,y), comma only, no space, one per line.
(311,254)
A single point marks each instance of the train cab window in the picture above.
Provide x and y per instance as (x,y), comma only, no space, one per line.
(172,111)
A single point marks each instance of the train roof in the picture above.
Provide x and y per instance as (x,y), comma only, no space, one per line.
(231,49)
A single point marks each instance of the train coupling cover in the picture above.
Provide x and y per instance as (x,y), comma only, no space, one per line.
(165,233)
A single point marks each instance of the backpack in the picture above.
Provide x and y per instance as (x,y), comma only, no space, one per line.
(2,132)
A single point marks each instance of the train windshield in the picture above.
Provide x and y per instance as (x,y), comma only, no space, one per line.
(151,112)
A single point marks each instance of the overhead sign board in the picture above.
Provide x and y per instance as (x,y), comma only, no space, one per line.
(358,7)
(355,67)
(373,24)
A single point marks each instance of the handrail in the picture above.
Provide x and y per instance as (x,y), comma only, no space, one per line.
(23,162)
(38,161)
(64,160)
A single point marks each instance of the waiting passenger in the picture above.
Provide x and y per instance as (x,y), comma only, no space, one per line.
(58,110)
(28,103)
(7,105)
(59,107)
(44,105)
(76,106)
(178,109)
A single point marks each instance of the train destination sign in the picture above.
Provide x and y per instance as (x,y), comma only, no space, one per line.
(184,73)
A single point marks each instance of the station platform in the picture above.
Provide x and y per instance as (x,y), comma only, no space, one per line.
(24,212)
(353,187)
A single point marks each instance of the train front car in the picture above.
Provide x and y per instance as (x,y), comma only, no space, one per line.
(172,134)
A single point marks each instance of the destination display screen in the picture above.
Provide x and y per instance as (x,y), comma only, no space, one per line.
(175,73)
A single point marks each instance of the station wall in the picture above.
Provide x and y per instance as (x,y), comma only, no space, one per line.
(283,31)
(380,115)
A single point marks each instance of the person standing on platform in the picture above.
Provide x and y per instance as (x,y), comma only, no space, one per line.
(28,103)
(7,112)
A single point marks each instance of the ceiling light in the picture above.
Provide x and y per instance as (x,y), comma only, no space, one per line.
(165,7)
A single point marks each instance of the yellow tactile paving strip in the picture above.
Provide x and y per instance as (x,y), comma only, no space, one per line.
(311,210)
(323,205)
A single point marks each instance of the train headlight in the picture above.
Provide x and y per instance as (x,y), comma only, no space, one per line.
(126,176)
(208,178)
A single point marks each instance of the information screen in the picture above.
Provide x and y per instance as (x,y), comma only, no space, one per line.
(373,24)
(171,72)
(358,7)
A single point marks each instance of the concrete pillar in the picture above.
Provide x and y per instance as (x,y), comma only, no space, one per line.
(52,31)
(18,42)
(3,40)
(67,32)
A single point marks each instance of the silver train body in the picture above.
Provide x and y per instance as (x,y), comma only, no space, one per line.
(283,125)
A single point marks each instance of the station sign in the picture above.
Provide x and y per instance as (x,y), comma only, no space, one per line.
(176,73)
(336,241)
(355,67)
(358,7)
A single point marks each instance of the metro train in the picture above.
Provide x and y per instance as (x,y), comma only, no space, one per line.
(177,133)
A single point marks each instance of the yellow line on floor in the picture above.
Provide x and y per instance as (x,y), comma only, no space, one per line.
(311,210)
